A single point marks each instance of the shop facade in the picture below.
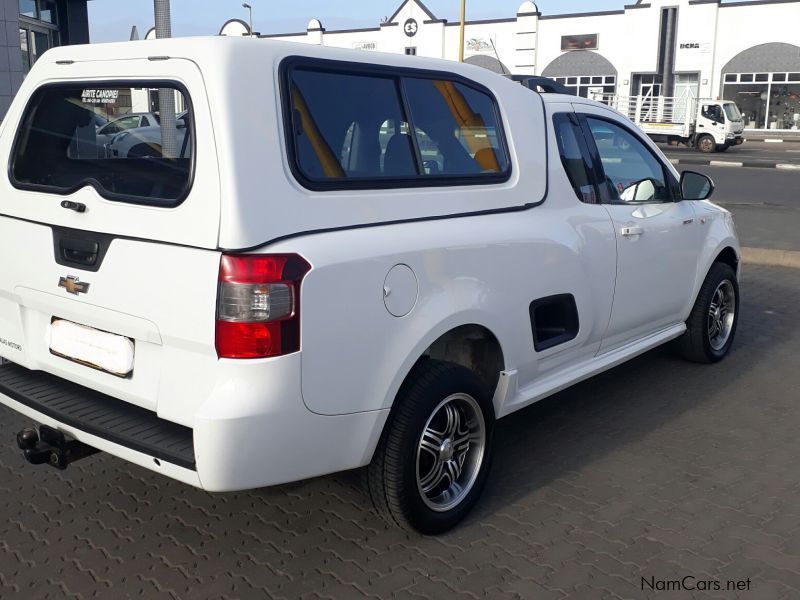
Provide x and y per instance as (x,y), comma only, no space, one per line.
(28,28)
(746,51)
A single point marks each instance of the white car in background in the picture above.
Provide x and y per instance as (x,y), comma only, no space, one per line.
(106,132)
(146,141)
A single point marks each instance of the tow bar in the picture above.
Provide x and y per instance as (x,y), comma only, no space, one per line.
(49,446)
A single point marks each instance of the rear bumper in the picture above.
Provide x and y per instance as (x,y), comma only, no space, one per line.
(142,459)
(253,430)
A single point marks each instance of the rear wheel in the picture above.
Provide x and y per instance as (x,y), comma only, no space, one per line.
(711,326)
(433,458)
(706,143)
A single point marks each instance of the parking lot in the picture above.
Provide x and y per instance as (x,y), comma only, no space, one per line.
(656,472)
(657,469)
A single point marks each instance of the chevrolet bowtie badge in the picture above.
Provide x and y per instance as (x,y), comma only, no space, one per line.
(72,285)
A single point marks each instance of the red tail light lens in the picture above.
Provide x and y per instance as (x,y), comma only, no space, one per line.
(258,305)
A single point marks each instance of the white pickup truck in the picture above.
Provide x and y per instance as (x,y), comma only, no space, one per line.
(708,125)
(355,260)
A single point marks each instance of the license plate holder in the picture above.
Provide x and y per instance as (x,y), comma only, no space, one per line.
(101,350)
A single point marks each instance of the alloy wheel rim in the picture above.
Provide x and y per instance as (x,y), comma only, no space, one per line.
(721,315)
(450,452)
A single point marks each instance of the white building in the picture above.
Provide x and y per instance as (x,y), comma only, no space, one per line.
(746,51)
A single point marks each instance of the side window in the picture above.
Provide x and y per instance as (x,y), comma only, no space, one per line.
(109,129)
(573,157)
(389,129)
(456,128)
(392,132)
(713,112)
(632,173)
(347,152)
(145,122)
(343,135)
(432,157)
(127,123)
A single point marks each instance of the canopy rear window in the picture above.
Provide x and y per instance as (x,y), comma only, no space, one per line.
(132,143)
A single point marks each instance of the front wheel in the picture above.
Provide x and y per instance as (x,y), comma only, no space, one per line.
(706,144)
(433,458)
(712,323)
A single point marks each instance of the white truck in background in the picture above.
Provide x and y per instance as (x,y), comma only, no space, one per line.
(704,124)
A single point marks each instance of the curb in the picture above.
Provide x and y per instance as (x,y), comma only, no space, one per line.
(792,140)
(751,164)
(771,258)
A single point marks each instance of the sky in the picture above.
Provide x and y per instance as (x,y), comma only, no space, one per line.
(111,20)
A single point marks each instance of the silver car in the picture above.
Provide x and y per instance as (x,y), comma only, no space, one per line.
(146,141)
(106,131)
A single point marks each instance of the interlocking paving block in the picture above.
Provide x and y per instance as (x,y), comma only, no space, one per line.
(658,469)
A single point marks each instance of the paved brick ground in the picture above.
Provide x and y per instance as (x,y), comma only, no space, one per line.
(657,469)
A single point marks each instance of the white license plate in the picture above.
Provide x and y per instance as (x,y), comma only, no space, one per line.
(92,347)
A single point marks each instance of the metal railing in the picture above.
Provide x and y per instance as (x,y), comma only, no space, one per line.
(654,109)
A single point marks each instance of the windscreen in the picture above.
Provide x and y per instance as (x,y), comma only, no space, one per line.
(732,112)
(132,144)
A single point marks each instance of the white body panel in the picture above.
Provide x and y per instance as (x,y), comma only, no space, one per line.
(158,282)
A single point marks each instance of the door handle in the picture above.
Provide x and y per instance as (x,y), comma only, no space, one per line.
(631,230)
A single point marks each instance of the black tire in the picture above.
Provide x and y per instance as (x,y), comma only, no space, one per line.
(706,144)
(696,344)
(722,148)
(392,477)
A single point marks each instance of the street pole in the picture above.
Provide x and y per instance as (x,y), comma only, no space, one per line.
(461,43)
(166,96)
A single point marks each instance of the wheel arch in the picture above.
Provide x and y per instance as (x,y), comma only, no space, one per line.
(728,252)
(473,346)
(469,342)
(729,256)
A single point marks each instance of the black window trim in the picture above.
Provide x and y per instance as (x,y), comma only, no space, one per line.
(586,155)
(101,191)
(398,74)
(600,172)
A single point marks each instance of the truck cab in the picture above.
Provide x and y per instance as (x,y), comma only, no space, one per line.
(719,126)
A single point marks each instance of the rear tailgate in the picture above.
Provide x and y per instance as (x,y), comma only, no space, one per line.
(145,309)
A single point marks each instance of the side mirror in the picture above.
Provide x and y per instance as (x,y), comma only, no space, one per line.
(639,191)
(696,186)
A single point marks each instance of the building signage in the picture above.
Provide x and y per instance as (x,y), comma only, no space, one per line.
(579,42)
(704,48)
(479,45)
(411,27)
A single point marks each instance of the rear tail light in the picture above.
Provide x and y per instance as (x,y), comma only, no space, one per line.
(258,305)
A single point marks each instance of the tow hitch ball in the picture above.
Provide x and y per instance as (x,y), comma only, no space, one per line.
(49,446)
